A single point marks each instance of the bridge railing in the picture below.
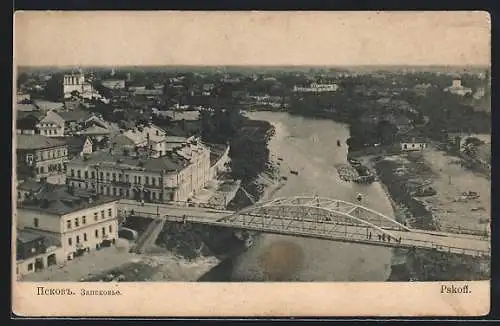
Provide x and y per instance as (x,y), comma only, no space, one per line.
(183,204)
(462,230)
(359,236)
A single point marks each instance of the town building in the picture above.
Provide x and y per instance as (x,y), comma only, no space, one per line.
(26,123)
(176,176)
(413,144)
(41,158)
(35,252)
(22,97)
(114,83)
(79,221)
(46,106)
(76,83)
(458,89)
(317,88)
(78,146)
(52,125)
(149,137)
(28,188)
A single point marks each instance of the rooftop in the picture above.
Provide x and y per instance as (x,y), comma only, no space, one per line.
(60,200)
(167,163)
(75,115)
(37,142)
(48,105)
(75,143)
(30,185)
(413,139)
(95,130)
(180,115)
(26,107)
(26,236)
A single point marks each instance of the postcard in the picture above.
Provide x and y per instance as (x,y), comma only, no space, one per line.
(249,164)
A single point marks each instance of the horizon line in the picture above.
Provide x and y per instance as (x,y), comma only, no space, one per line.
(252,65)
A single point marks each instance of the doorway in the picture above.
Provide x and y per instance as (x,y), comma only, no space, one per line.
(137,194)
(51,260)
(39,264)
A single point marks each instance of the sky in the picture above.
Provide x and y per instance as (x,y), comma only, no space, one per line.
(250,38)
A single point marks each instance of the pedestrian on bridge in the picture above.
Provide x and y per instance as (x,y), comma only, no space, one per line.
(383,237)
(388,238)
(370,236)
(379,237)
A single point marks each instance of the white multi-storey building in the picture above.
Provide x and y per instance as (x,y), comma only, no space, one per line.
(176,176)
(76,82)
(78,223)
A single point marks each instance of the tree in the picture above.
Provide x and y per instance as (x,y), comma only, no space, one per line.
(386,132)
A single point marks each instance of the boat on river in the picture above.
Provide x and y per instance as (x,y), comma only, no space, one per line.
(294,172)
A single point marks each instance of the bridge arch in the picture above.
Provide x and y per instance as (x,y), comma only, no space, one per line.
(324,210)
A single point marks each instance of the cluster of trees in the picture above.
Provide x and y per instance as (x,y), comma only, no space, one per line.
(448,113)
(363,134)
(248,140)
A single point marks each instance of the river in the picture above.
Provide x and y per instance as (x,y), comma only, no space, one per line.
(309,146)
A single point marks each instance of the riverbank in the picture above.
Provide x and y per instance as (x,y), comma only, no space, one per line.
(403,176)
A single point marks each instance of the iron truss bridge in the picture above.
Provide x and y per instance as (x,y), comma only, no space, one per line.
(335,220)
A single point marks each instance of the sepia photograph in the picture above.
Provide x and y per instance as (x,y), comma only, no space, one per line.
(254,149)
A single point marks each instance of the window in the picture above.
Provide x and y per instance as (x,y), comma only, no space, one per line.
(77,223)
(97,233)
(84,220)
(101,175)
(114,191)
(78,174)
(121,192)
(30,267)
(107,176)
(35,222)
(110,229)
(153,181)
(86,174)
(126,177)
(95,216)
(110,212)
(77,239)
(103,232)
(102,214)
(92,174)
(114,176)
(135,179)
(127,193)
(85,237)
(154,195)
(146,180)
(139,180)
(29,158)
(68,224)
(70,241)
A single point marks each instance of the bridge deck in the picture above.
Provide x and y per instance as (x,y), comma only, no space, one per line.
(444,242)
(441,241)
